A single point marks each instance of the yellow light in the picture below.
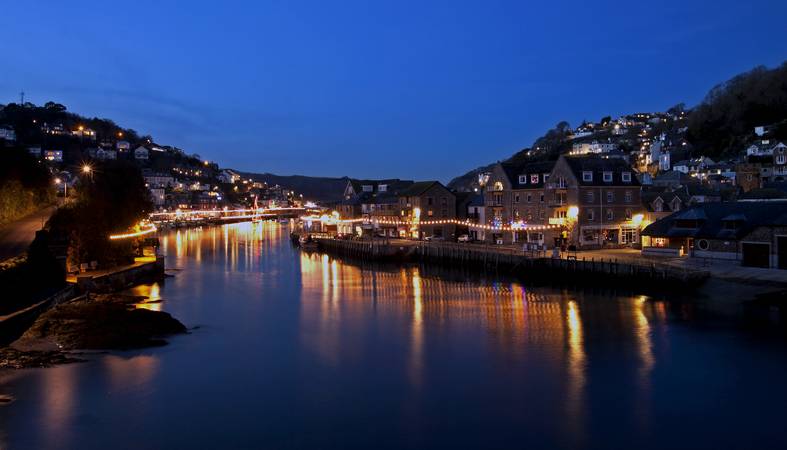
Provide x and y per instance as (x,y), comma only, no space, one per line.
(417,213)
(57,180)
(637,219)
(86,169)
(81,128)
(141,232)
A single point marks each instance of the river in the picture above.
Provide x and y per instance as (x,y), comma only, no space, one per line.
(295,350)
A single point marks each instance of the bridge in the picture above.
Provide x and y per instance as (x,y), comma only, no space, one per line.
(188,218)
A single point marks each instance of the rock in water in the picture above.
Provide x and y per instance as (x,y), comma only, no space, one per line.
(105,322)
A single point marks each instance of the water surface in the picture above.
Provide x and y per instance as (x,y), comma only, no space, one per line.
(293,350)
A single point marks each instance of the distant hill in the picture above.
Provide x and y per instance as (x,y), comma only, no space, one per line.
(720,126)
(724,122)
(321,189)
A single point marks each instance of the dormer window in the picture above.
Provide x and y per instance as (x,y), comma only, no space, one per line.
(382,188)
(523,179)
(608,177)
(367,188)
(534,179)
(545,177)
(626,177)
(587,176)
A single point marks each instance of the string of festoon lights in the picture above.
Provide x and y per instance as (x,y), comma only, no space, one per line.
(467,223)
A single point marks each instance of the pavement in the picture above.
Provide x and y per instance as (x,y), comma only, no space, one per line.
(16,236)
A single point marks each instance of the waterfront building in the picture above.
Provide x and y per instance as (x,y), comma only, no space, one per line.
(753,233)
(597,200)
(514,195)
(429,208)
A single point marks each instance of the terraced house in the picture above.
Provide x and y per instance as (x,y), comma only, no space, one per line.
(596,199)
(427,202)
(514,194)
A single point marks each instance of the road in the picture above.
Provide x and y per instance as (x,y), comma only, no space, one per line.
(17,236)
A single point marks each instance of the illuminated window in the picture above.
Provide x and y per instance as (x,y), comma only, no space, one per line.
(587,176)
(626,177)
(498,186)
(610,215)
(534,179)
(607,177)
(523,179)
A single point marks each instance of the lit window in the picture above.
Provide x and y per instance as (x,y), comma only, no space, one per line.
(607,177)
(587,176)
(523,179)
(626,177)
(534,179)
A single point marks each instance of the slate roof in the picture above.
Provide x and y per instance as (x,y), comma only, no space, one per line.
(513,171)
(598,166)
(418,188)
(711,219)
(394,184)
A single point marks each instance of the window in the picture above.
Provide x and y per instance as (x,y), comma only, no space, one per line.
(429,201)
(626,177)
(516,198)
(628,214)
(382,188)
(561,183)
(498,199)
(523,179)
(610,215)
(587,176)
(780,159)
(542,198)
(540,213)
(443,201)
(628,197)
(498,186)
(658,205)
(608,177)
(444,212)
(534,179)
(429,213)
(516,213)
(529,198)
(591,197)
(591,215)
(610,196)
(367,188)
(545,177)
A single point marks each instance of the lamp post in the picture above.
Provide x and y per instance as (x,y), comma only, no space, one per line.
(65,187)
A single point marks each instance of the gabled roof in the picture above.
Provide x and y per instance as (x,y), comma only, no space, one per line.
(513,171)
(712,217)
(419,187)
(394,184)
(598,166)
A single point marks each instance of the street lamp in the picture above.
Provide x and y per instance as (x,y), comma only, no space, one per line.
(65,187)
(86,169)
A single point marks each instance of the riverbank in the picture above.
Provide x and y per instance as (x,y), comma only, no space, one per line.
(88,314)
(539,265)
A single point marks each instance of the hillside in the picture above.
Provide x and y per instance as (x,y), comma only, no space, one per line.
(719,127)
(321,189)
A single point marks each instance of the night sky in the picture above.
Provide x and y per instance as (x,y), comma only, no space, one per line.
(424,90)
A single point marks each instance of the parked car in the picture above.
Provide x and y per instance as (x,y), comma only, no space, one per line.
(434,238)
(463,238)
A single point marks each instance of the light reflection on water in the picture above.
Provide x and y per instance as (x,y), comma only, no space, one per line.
(322,351)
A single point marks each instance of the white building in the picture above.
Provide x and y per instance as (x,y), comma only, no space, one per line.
(106,154)
(141,153)
(7,133)
(123,145)
(664,162)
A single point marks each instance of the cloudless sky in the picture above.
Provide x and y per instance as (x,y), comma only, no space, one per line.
(421,89)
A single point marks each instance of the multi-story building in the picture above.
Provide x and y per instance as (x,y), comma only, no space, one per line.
(596,199)
(514,195)
(430,208)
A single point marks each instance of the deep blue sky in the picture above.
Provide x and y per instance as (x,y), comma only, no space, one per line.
(375,88)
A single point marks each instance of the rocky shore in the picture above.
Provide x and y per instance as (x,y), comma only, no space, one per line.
(94,322)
